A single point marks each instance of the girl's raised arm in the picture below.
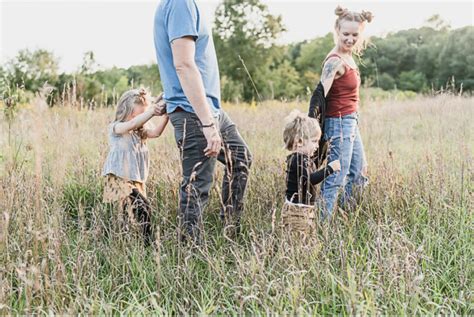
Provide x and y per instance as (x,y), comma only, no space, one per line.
(135,123)
(156,132)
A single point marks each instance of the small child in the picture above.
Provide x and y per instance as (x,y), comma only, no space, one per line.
(126,166)
(301,136)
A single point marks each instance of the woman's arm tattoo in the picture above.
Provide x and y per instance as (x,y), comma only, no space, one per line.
(330,68)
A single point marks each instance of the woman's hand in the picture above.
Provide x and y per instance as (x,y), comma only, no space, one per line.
(335,165)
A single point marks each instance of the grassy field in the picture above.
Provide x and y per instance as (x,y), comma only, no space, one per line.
(407,249)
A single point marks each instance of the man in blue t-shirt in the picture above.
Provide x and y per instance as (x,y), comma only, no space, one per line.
(203,131)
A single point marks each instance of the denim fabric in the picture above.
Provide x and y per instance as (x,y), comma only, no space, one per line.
(198,169)
(345,144)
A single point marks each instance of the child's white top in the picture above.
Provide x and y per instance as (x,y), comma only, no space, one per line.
(128,156)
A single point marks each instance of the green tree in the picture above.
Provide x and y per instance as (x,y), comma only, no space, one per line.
(32,69)
(231,90)
(427,60)
(3,80)
(385,81)
(456,59)
(412,80)
(62,93)
(244,35)
(114,82)
(146,76)
(89,64)
(313,53)
(284,82)
(310,60)
(413,52)
(88,87)
(391,55)
(437,23)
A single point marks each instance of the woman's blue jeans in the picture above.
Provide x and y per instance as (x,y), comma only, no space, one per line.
(345,145)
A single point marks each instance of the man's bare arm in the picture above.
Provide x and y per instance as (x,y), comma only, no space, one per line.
(190,77)
(183,50)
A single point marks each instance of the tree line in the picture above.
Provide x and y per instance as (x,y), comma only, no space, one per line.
(254,68)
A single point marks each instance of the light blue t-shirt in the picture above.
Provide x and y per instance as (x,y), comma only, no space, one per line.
(175,19)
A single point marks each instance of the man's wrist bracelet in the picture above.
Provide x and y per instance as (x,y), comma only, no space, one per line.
(208,125)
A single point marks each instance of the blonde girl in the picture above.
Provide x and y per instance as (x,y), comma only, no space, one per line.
(127,163)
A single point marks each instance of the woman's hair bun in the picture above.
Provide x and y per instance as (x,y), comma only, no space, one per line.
(340,11)
(367,16)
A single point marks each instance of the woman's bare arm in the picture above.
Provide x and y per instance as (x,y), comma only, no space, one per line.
(333,68)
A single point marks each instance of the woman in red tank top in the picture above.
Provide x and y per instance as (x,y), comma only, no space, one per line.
(341,80)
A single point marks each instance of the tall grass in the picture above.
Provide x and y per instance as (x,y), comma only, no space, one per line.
(407,248)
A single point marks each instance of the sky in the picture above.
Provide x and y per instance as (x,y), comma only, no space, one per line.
(120,33)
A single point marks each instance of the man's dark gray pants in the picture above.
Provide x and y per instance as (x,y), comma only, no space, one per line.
(198,170)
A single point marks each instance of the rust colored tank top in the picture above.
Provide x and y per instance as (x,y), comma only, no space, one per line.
(343,97)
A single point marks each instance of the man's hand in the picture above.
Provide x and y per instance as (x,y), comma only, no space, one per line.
(159,105)
(214,141)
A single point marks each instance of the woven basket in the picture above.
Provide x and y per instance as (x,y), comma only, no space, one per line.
(298,217)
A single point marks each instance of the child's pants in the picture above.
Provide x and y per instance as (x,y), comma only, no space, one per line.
(137,205)
(132,197)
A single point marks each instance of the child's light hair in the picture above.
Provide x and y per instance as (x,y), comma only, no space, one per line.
(128,100)
(126,104)
(299,128)
(344,14)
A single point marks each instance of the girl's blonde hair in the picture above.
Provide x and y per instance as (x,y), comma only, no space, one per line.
(363,17)
(126,104)
(299,127)
(128,100)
